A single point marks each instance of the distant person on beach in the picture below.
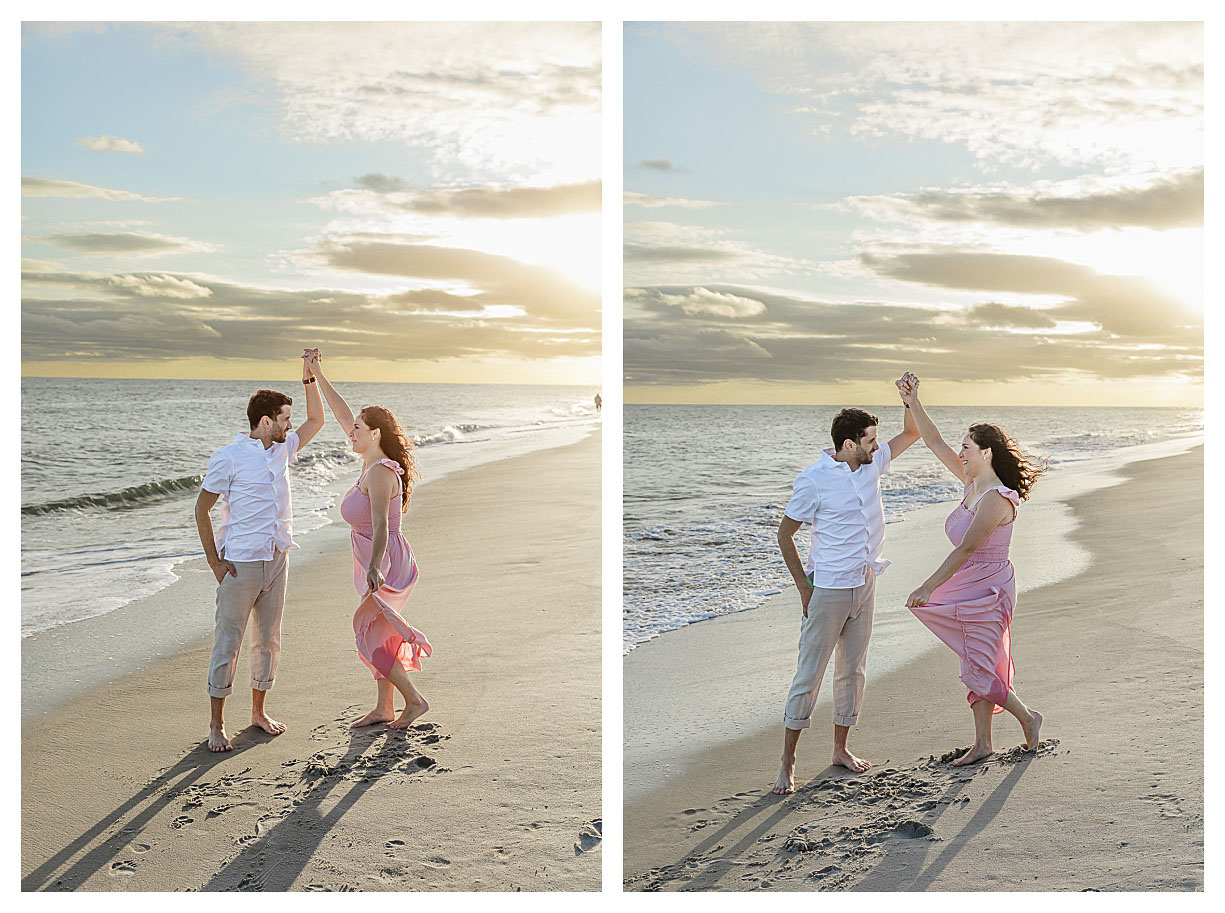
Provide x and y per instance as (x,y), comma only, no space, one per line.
(384,569)
(249,552)
(968,602)
(599,403)
(839,495)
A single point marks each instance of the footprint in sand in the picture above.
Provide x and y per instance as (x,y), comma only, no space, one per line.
(181,821)
(589,837)
(127,865)
(437,862)
(142,848)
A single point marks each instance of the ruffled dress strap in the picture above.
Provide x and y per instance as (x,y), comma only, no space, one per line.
(392,465)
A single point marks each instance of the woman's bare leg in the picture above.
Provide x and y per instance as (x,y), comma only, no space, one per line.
(1030,720)
(981,748)
(384,711)
(415,704)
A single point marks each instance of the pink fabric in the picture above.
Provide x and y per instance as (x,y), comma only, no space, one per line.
(972,611)
(383,636)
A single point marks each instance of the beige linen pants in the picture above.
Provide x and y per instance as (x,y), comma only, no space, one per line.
(839,618)
(259,591)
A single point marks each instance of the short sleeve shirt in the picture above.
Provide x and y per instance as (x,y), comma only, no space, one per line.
(847,518)
(256,513)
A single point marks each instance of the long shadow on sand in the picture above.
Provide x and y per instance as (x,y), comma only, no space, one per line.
(285,840)
(292,822)
(842,831)
(881,879)
(167,787)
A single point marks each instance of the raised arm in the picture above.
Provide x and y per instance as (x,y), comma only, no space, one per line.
(928,430)
(313,363)
(314,407)
(910,431)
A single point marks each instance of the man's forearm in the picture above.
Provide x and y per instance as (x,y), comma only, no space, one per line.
(204,526)
(791,557)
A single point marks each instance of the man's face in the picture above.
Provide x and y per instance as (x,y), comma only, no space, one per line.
(281,425)
(867,446)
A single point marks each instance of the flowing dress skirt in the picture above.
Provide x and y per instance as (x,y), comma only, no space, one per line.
(383,637)
(972,613)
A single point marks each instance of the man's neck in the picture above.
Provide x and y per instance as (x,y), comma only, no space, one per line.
(255,436)
(851,463)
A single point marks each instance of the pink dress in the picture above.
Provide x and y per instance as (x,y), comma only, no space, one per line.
(383,636)
(972,610)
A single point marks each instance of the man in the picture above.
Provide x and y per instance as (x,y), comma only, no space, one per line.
(839,495)
(249,553)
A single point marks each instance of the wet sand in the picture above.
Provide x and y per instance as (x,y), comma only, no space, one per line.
(1114,800)
(496,788)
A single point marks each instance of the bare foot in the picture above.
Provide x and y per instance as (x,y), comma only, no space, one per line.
(785,783)
(217,739)
(267,723)
(974,755)
(850,762)
(377,715)
(1031,731)
(411,712)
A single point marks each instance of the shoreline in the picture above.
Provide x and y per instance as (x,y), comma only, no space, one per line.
(484,793)
(1077,477)
(71,658)
(1045,545)
(717,827)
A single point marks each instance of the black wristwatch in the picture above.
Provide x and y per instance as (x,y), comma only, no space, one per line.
(311,380)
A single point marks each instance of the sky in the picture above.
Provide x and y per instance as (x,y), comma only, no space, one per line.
(419,200)
(1013,211)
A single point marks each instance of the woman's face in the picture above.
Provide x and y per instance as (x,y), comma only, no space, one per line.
(973,457)
(362,436)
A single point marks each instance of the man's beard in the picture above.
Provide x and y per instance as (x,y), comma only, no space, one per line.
(278,435)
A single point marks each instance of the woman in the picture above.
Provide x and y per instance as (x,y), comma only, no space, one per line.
(968,601)
(384,569)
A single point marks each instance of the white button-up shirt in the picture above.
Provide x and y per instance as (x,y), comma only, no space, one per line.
(848,520)
(254,485)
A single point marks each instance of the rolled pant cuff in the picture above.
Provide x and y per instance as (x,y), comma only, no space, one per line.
(845,720)
(796,724)
(261,686)
(214,691)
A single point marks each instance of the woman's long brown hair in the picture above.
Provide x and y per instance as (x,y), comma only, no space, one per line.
(1019,471)
(396,444)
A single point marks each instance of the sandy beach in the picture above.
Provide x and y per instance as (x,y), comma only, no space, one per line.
(497,788)
(1113,801)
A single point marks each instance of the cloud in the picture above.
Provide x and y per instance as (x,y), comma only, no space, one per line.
(126,242)
(381,193)
(106,143)
(675,253)
(1123,306)
(1165,201)
(73,190)
(541,293)
(702,301)
(785,338)
(663,165)
(159,316)
(160,286)
(646,201)
(994,314)
(1115,94)
(501,100)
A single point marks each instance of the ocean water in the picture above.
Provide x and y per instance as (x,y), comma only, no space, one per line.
(110,469)
(705,487)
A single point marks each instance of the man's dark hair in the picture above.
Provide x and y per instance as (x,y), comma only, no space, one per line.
(266,402)
(851,425)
